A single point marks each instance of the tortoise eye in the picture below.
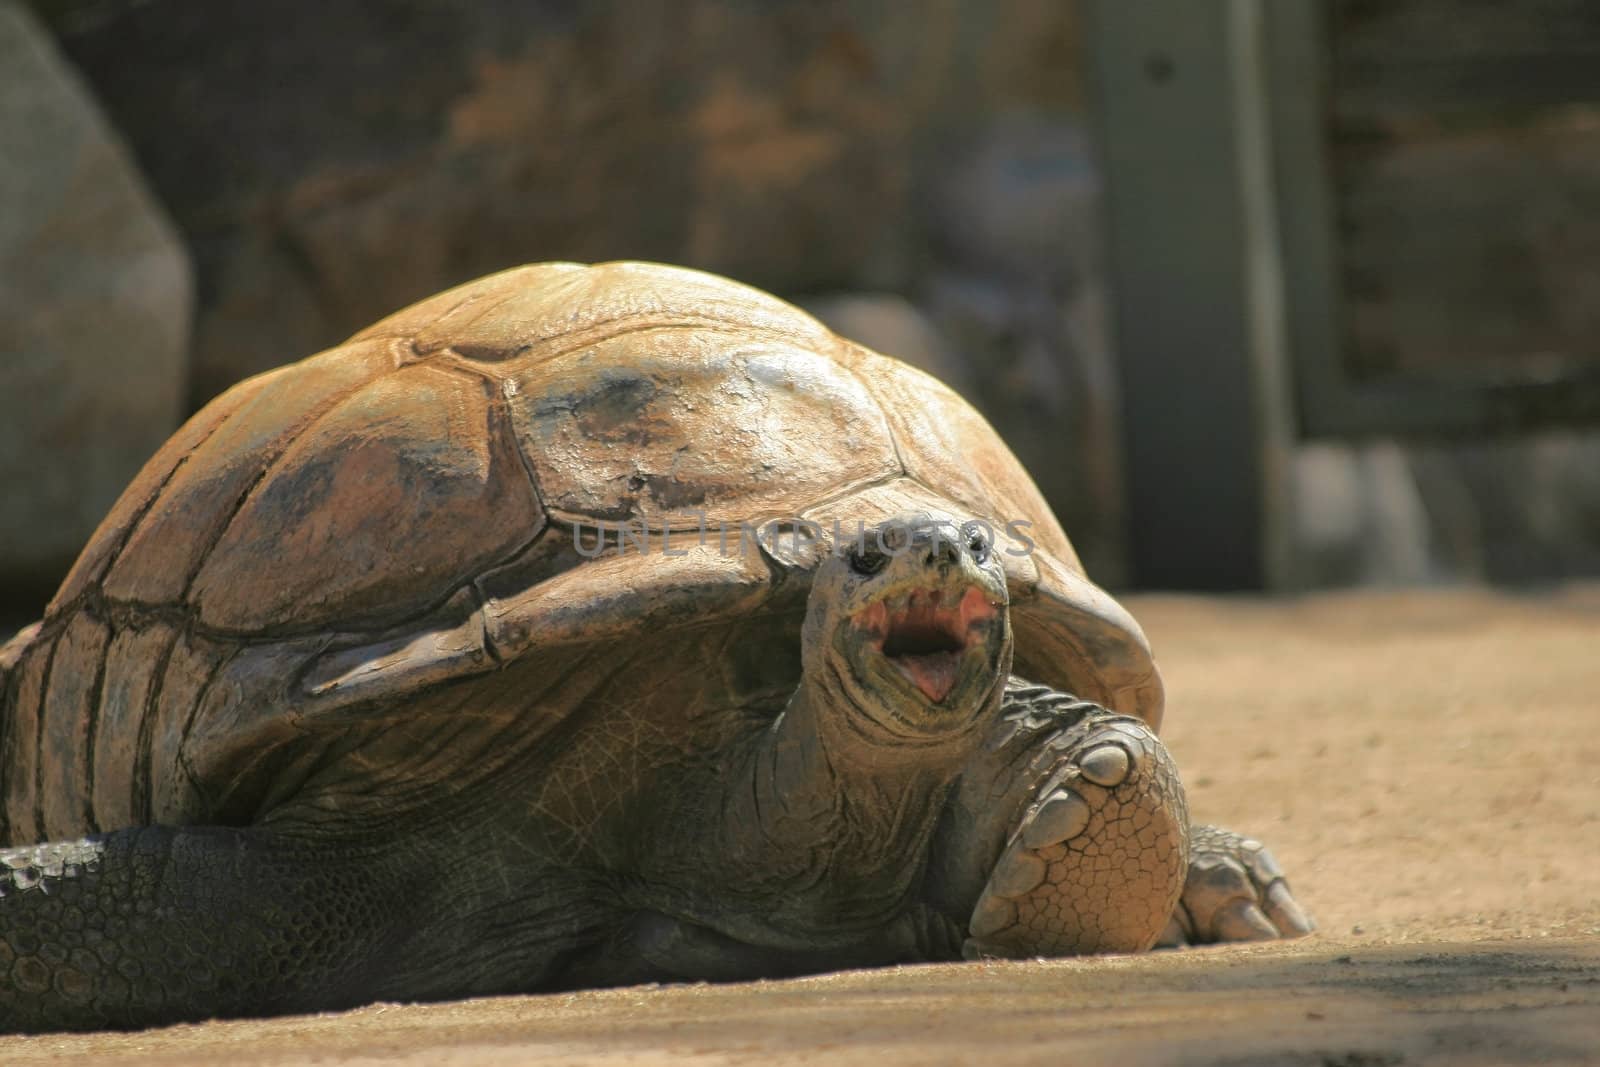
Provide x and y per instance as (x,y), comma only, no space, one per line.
(866,561)
(978,545)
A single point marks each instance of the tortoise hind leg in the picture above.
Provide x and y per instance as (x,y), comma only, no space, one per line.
(157,925)
(1235,892)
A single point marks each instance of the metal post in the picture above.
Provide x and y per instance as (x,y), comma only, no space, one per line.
(1183,130)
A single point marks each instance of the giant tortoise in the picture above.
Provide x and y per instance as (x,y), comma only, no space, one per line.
(581,625)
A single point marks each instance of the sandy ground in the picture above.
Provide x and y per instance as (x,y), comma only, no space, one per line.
(1426,766)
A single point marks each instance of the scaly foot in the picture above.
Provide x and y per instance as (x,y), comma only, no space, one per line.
(1098,858)
(1235,891)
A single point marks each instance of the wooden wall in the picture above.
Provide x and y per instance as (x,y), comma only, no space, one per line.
(1464,146)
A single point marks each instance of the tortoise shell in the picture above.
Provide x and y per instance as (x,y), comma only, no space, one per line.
(409,511)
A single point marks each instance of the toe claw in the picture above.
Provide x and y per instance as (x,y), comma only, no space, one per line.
(1106,766)
(1242,920)
(1017,874)
(1263,868)
(1063,815)
(1286,913)
(992,915)
(1236,891)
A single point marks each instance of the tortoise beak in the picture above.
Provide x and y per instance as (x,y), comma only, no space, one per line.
(924,634)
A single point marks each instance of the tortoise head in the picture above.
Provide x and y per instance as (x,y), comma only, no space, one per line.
(908,628)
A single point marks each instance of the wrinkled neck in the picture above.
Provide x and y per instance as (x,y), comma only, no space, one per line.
(825,820)
(844,827)
(830,771)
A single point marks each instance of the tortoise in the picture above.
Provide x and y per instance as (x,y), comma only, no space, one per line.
(581,625)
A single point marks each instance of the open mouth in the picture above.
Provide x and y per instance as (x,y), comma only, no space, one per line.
(924,635)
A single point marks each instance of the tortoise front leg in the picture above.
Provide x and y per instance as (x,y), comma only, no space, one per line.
(157,925)
(1097,859)
(1067,835)
(1070,834)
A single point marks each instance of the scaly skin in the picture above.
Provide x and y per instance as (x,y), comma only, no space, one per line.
(797,846)
(811,837)
(897,810)
(149,924)
(156,925)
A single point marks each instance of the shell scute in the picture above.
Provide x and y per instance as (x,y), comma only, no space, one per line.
(76,670)
(173,794)
(424,323)
(403,492)
(108,538)
(19,737)
(133,669)
(174,535)
(654,424)
(540,311)
(948,446)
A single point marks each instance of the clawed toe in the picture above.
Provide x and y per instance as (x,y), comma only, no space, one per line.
(1062,815)
(1106,766)
(1286,913)
(1235,891)
(1242,920)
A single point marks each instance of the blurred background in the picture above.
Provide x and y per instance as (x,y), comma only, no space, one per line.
(1265,293)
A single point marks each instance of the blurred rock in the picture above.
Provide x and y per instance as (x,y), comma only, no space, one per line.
(1021,298)
(1020,199)
(1358,517)
(892,325)
(1502,510)
(1515,510)
(96,303)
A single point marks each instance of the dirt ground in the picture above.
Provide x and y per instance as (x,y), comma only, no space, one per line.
(1426,766)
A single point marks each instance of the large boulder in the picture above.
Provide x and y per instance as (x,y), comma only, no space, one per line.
(96,307)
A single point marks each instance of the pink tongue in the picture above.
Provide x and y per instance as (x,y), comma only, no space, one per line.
(935,673)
